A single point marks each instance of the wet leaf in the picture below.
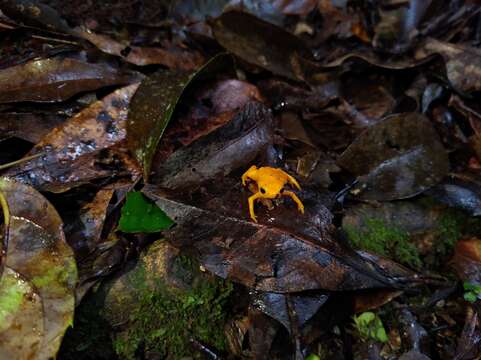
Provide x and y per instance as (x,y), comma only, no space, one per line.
(260,43)
(367,100)
(34,13)
(84,227)
(37,289)
(261,333)
(174,58)
(470,338)
(276,306)
(467,260)
(417,336)
(88,146)
(284,252)
(461,191)
(463,67)
(234,145)
(140,215)
(152,107)
(397,158)
(56,79)
(28,126)
(210,106)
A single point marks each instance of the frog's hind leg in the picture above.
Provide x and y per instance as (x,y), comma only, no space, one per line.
(300,205)
(293,181)
(251,205)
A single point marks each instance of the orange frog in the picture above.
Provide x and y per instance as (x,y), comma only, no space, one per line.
(270,184)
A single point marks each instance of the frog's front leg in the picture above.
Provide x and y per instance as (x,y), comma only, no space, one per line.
(252,199)
(294,197)
(248,174)
(293,181)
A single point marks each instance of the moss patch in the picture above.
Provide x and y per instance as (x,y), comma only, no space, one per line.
(166,319)
(385,240)
(450,230)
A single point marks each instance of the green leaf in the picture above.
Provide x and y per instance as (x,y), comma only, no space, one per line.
(472,287)
(153,105)
(312,357)
(370,326)
(141,215)
(471,297)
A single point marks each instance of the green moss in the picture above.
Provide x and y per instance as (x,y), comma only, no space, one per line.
(450,230)
(165,320)
(385,240)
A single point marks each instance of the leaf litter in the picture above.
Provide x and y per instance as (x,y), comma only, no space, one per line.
(372,107)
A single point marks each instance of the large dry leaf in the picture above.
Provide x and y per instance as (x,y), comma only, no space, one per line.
(396,158)
(55,79)
(37,288)
(284,252)
(86,147)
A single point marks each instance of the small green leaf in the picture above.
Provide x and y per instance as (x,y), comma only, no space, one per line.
(472,287)
(312,357)
(370,326)
(471,297)
(141,215)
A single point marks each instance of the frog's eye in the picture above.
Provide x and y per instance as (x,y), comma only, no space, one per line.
(263,191)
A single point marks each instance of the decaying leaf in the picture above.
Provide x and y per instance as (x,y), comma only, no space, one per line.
(284,252)
(211,106)
(467,260)
(56,79)
(83,232)
(86,147)
(28,126)
(37,288)
(396,158)
(34,13)
(260,43)
(305,306)
(463,63)
(152,107)
(174,58)
(234,145)
(461,191)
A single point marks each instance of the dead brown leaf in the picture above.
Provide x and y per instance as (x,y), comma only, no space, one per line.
(56,79)
(86,147)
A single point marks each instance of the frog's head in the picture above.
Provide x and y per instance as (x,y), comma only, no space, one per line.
(270,190)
